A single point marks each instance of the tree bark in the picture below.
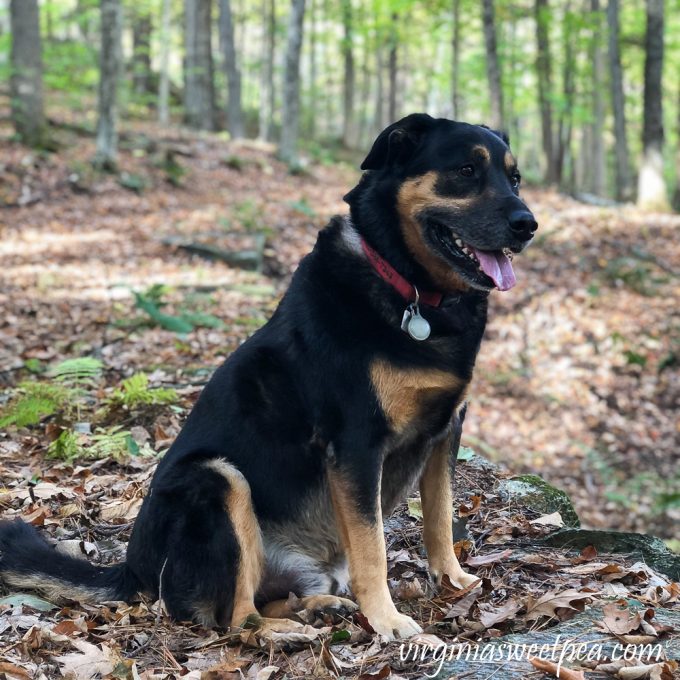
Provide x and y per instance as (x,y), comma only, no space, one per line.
(564,131)
(543,69)
(598,186)
(291,85)
(493,71)
(109,75)
(623,186)
(651,186)
(199,89)
(141,51)
(267,89)
(348,128)
(455,61)
(26,86)
(164,75)
(393,68)
(676,196)
(313,68)
(232,72)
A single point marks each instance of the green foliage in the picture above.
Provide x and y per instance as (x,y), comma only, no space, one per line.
(246,214)
(134,392)
(79,373)
(32,402)
(133,182)
(634,274)
(151,301)
(113,442)
(302,206)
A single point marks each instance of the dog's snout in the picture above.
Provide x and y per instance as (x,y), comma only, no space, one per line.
(523,224)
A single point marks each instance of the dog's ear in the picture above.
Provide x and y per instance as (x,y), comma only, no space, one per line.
(499,133)
(396,143)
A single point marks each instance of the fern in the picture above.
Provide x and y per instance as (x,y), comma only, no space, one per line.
(78,373)
(134,392)
(65,447)
(33,402)
(113,442)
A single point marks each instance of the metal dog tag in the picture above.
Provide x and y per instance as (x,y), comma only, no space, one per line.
(418,328)
(406,318)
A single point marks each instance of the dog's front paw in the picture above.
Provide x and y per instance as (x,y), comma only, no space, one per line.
(456,575)
(394,625)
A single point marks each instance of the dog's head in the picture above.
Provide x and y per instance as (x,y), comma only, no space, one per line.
(455,189)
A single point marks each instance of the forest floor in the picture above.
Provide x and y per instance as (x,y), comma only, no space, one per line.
(578,379)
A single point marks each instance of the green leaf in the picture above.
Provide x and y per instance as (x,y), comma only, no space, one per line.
(465,453)
(167,321)
(341,635)
(28,600)
(415,508)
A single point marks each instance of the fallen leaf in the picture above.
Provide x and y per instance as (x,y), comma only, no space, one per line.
(491,558)
(13,671)
(383,673)
(552,520)
(552,668)
(548,603)
(619,621)
(492,615)
(471,509)
(90,662)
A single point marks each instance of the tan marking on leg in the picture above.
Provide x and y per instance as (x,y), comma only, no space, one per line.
(239,505)
(364,543)
(413,197)
(437,504)
(510,162)
(404,393)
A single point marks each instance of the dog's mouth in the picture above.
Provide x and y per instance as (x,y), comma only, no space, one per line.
(481,268)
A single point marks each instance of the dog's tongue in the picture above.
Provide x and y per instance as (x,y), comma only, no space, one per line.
(497,267)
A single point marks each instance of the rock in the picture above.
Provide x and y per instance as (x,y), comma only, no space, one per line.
(649,548)
(493,658)
(534,493)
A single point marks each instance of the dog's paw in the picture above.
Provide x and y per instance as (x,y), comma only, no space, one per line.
(329,608)
(463,580)
(393,625)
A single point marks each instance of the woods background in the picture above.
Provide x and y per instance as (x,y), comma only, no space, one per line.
(585,88)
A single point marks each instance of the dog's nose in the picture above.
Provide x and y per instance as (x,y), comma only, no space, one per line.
(523,224)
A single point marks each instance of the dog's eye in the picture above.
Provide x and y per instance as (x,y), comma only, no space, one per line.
(516,179)
(467,170)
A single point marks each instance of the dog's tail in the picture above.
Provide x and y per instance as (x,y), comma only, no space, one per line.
(27,561)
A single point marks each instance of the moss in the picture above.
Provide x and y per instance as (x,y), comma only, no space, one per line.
(538,495)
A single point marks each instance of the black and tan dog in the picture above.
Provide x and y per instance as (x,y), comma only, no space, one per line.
(314,429)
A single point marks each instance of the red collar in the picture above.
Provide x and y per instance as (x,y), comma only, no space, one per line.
(388,273)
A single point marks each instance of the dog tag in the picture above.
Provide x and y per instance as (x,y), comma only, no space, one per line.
(418,328)
(406,318)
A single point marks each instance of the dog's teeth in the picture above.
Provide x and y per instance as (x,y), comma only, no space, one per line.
(459,243)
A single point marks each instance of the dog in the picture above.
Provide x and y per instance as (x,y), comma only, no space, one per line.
(316,428)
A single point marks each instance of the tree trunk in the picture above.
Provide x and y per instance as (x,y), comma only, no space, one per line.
(348,129)
(623,186)
(651,186)
(564,132)
(394,43)
(599,179)
(26,85)
(199,89)
(543,69)
(379,89)
(232,72)
(164,79)
(141,51)
(267,90)
(109,75)
(493,71)
(313,69)
(676,197)
(291,85)
(455,61)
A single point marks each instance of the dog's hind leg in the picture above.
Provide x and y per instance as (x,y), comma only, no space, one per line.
(321,606)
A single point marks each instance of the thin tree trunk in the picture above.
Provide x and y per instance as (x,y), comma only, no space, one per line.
(394,43)
(379,89)
(348,130)
(651,186)
(543,68)
(623,185)
(493,71)
(565,121)
(599,162)
(109,76)
(26,85)
(141,51)
(676,197)
(313,68)
(291,85)
(164,75)
(232,72)
(267,89)
(455,61)
(199,89)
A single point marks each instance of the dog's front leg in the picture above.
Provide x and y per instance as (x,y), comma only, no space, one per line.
(356,501)
(437,503)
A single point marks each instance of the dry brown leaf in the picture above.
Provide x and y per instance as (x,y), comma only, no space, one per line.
(552,668)
(383,673)
(492,615)
(491,558)
(471,509)
(14,672)
(89,662)
(126,510)
(554,519)
(548,603)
